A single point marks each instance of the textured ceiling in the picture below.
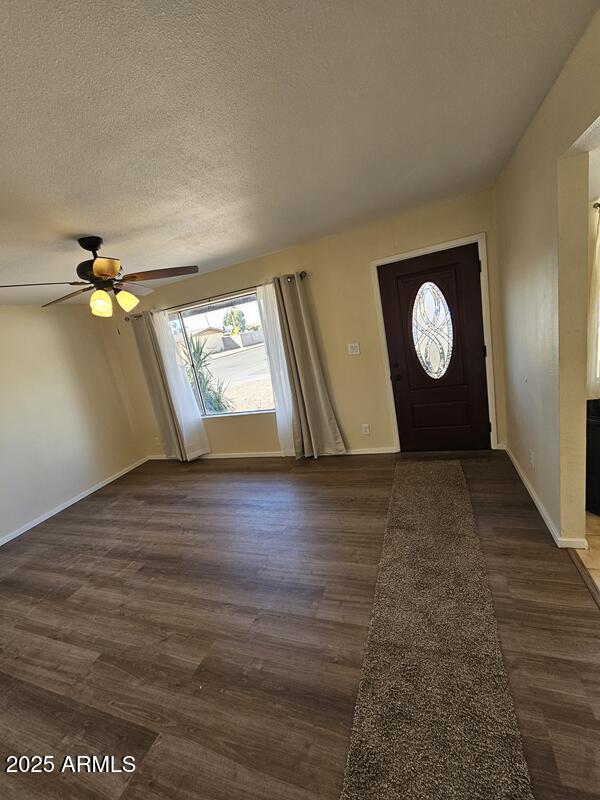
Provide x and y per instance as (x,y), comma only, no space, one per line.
(187,132)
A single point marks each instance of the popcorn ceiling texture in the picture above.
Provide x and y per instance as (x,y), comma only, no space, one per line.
(212,132)
(434,716)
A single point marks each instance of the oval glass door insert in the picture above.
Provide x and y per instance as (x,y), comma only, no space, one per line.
(432,330)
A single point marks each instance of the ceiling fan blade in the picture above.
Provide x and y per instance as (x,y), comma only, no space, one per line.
(156,274)
(66,297)
(135,288)
(52,283)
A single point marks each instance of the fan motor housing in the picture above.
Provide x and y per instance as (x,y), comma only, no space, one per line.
(85,270)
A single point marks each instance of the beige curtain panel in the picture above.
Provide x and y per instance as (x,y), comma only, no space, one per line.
(315,428)
(179,419)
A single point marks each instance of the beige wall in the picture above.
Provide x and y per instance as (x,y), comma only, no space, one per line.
(255,434)
(64,424)
(344,310)
(536,341)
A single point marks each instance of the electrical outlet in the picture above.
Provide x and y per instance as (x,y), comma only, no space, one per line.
(532,458)
(353,349)
(366,429)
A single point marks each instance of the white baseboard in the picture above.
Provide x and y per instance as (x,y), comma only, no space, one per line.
(43,517)
(274,454)
(561,541)
(365,451)
(278,454)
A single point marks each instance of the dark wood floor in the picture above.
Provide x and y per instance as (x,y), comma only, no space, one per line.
(210,619)
(549,629)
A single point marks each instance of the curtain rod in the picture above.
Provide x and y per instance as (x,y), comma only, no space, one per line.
(289,277)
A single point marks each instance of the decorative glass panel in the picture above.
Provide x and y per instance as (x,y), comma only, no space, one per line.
(432,330)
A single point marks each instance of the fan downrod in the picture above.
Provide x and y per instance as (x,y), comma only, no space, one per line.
(91,243)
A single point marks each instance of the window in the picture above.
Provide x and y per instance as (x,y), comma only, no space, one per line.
(223,350)
(432,330)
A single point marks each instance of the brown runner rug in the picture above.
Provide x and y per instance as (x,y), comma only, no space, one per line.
(434,717)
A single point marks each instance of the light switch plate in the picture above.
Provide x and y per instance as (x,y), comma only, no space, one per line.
(353,349)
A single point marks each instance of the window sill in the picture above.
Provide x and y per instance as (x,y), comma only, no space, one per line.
(238,414)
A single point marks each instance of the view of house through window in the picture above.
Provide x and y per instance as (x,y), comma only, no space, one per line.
(222,347)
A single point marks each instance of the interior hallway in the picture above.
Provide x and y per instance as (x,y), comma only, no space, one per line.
(210,618)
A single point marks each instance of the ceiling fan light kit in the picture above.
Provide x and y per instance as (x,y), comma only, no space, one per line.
(101,275)
(101,304)
(125,299)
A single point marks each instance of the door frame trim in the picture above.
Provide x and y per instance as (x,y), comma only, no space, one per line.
(480,240)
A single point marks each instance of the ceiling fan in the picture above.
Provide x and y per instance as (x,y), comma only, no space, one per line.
(101,275)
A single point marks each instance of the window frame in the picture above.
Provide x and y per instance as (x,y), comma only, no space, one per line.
(179,312)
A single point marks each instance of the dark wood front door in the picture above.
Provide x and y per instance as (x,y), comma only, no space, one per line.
(434,330)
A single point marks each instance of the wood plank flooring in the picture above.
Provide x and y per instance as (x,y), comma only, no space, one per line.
(207,618)
(549,628)
(210,620)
